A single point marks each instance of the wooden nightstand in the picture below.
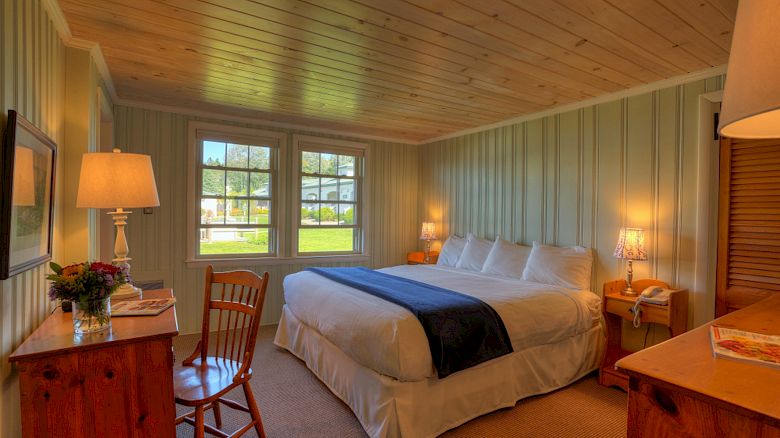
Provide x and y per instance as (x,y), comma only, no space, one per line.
(617,307)
(418,258)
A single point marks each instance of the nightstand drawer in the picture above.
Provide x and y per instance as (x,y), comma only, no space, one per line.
(650,312)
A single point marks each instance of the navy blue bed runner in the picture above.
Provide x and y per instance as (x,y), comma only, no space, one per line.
(462,331)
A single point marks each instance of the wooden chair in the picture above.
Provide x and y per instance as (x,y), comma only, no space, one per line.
(205,376)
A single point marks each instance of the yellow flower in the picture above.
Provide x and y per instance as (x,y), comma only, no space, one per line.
(72,270)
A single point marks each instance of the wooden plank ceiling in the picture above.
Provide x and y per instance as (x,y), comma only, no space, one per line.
(413,69)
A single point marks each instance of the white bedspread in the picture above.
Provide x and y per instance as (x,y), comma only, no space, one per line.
(390,340)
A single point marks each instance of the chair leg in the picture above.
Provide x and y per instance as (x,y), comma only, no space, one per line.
(217,414)
(199,423)
(250,401)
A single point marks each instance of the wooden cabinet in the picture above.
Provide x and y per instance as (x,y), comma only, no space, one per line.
(678,388)
(618,307)
(116,383)
(748,267)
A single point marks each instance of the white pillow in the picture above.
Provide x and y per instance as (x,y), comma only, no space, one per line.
(566,267)
(474,254)
(450,251)
(506,259)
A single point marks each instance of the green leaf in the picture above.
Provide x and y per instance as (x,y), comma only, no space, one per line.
(56,268)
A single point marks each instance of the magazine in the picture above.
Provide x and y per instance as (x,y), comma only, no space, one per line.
(141,307)
(745,346)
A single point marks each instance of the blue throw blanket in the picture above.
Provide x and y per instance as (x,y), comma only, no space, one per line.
(462,331)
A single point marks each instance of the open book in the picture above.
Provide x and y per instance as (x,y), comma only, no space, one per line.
(745,346)
(141,307)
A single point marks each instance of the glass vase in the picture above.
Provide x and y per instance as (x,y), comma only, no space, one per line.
(91,315)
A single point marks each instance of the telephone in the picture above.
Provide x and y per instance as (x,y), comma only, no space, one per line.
(652,295)
(655,295)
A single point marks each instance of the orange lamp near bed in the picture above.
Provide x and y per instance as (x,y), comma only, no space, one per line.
(428,233)
(631,246)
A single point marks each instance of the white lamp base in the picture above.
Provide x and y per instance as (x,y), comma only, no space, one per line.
(125,292)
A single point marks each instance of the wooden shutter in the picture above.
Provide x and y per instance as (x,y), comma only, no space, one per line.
(748,268)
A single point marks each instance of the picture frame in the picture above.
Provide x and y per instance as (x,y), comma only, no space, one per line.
(27,178)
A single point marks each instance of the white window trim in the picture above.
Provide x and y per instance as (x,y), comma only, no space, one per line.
(193,198)
(296,197)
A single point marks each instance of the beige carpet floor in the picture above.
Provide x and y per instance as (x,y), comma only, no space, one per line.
(295,404)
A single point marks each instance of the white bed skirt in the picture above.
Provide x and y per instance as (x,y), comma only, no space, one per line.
(387,407)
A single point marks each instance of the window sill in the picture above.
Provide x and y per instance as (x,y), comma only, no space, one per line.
(271,261)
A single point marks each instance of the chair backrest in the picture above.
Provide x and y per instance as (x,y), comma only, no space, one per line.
(239,306)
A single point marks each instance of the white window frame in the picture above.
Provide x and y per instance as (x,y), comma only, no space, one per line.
(321,144)
(196,131)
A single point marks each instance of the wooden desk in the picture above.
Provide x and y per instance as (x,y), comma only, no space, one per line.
(677,388)
(116,383)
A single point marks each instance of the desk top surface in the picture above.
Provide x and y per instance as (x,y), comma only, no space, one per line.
(55,335)
(687,362)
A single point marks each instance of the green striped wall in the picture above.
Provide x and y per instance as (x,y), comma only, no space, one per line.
(576,177)
(158,241)
(32,76)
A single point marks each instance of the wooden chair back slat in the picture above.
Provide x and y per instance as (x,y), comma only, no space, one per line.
(238,308)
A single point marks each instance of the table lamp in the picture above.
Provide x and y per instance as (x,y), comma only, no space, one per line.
(631,246)
(751,96)
(116,180)
(428,234)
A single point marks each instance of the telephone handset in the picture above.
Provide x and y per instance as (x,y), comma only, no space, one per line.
(655,295)
(652,295)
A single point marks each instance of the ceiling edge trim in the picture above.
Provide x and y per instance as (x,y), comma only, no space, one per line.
(634,91)
(258,121)
(63,29)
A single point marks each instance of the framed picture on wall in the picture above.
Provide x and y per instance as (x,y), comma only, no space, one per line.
(27,202)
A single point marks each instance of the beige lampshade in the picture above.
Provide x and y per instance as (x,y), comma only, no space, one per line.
(751,97)
(24,173)
(116,180)
(631,244)
(428,231)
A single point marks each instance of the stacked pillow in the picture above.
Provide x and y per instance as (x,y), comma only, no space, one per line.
(568,267)
(474,254)
(507,259)
(451,251)
(480,255)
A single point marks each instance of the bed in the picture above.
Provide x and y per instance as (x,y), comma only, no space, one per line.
(375,357)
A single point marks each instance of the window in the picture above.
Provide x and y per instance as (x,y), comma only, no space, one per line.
(236,186)
(330,178)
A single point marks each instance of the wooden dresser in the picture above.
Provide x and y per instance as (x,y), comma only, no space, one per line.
(678,388)
(116,383)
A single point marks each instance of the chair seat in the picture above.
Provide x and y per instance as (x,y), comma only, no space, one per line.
(196,384)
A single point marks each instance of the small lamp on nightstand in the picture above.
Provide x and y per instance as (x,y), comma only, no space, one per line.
(428,234)
(631,246)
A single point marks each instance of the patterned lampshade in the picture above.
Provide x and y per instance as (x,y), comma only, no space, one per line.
(428,231)
(631,244)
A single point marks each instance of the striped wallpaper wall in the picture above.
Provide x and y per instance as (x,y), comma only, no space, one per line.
(158,241)
(577,177)
(32,82)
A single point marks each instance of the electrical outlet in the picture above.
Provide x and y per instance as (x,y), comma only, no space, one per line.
(147,210)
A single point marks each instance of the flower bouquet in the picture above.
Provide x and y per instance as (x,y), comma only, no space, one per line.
(88,286)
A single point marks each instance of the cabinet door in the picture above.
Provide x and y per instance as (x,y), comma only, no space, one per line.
(129,389)
(748,267)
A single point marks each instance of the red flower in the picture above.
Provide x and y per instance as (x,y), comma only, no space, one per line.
(103,267)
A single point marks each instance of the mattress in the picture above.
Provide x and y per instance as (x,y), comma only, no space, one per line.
(389,408)
(389,339)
